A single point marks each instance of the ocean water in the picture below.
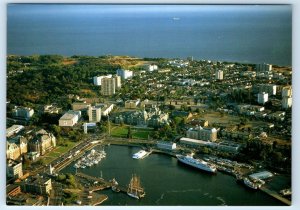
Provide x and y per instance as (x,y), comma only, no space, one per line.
(239,33)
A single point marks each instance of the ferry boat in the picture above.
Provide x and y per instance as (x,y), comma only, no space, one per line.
(135,189)
(141,154)
(197,163)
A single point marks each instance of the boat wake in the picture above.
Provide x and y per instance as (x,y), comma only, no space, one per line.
(205,194)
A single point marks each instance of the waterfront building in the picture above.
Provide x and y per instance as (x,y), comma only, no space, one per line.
(108,86)
(194,142)
(14,129)
(22,112)
(94,113)
(70,118)
(37,185)
(263,67)
(42,142)
(228,146)
(132,104)
(124,74)
(166,145)
(219,75)
(97,79)
(14,169)
(262,97)
(202,133)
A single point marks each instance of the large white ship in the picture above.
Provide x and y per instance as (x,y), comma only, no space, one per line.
(141,154)
(197,163)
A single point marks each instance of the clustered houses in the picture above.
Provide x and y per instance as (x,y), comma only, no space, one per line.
(39,142)
(152,118)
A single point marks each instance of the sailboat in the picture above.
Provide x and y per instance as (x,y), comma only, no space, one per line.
(135,189)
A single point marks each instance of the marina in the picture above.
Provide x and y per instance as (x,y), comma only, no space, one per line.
(93,158)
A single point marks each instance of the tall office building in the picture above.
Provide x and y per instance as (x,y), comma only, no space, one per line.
(117,81)
(108,86)
(219,74)
(124,74)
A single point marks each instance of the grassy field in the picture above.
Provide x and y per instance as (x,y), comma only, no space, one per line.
(57,152)
(137,133)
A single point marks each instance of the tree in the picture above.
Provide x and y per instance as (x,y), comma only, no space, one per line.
(129,134)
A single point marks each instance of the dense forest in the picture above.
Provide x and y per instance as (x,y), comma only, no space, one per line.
(45,79)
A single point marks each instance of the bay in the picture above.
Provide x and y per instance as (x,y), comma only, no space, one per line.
(168,182)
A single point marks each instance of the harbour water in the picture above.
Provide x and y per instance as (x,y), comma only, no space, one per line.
(168,182)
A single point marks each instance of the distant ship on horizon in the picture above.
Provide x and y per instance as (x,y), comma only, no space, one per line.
(176,18)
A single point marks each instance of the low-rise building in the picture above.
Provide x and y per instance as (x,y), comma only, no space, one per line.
(13,190)
(124,74)
(14,169)
(193,142)
(105,108)
(262,98)
(14,130)
(132,104)
(12,151)
(287,91)
(37,185)
(229,146)
(22,112)
(151,67)
(166,145)
(202,133)
(286,102)
(80,106)
(52,109)
(70,118)
(42,142)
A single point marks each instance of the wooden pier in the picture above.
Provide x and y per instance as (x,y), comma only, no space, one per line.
(103,184)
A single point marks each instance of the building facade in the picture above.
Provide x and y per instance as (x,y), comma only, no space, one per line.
(94,114)
(97,79)
(219,75)
(22,112)
(108,86)
(69,119)
(262,97)
(42,142)
(124,74)
(205,134)
(14,169)
(264,67)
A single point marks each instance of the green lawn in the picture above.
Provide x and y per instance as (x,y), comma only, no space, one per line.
(138,133)
(57,152)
